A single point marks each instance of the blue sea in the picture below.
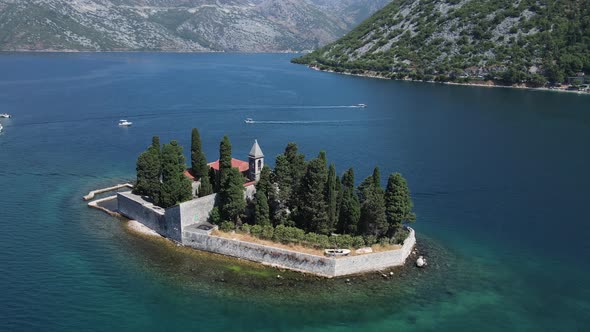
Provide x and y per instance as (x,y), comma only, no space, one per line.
(500,180)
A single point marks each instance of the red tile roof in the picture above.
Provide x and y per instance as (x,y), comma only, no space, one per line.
(241,165)
(188,173)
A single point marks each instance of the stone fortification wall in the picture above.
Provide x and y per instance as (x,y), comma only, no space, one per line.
(135,207)
(375,261)
(175,224)
(192,212)
(324,266)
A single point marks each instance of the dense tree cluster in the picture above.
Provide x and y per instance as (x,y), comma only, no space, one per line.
(308,197)
(299,202)
(160,174)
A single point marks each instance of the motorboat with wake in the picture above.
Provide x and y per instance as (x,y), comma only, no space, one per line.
(125,123)
(5,116)
(361,105)
(249,120)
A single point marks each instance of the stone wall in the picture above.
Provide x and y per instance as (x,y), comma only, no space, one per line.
(319,265)
(323,266)
(375,261)
(194,211)
(136,208)
(175,223)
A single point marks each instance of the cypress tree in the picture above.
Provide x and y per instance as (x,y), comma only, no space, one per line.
(264,184)
(312,213)
(148,174)
(232,202)
(198,160)
(156,143)
(261,210)
(373,220)
(350,210)
(332,198)
(377,178)
(214,179)
(398,202)
(176,187)
(296,167)
(283,178)
(149,171)
(205,188)
(224,160)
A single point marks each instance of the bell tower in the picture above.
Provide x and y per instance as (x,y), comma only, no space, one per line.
(256,160)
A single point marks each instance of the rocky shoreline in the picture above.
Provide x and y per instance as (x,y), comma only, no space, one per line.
(484,84)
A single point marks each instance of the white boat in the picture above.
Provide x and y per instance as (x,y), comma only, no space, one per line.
(5,116)
(361,105)
(249,120)
(336,252)
(125,123)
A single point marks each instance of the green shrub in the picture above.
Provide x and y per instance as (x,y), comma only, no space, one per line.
(267,232)
(280,234)
(246,228)
(227,226)
(323,242)
(358,242)
(256,230)
(370,240)
(400,235)
(214,216)
(384,241)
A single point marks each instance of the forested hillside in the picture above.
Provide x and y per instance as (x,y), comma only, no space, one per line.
(533,41)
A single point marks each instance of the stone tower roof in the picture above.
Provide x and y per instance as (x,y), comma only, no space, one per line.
(256,152)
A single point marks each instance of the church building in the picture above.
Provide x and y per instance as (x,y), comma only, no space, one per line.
(252,168)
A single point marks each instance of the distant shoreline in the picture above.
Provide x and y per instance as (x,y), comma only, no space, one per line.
(483,85)
(27,51)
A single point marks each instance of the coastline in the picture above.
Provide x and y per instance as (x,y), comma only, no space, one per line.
(137,227)
(481,85)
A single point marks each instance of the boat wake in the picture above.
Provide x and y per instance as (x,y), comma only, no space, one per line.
(303,122)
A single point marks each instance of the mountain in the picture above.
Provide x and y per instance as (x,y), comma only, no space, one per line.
(178,25)
(525,41)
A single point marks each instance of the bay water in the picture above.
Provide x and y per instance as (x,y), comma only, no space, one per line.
(500,180)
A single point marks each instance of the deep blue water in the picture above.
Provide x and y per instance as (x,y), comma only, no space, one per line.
(500,179)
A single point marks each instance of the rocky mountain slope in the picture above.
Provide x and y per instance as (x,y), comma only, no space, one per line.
(178,25)
(524,41)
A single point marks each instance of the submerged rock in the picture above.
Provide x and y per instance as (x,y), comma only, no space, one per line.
(421,262)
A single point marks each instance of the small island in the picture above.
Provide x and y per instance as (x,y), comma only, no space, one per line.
(300,215)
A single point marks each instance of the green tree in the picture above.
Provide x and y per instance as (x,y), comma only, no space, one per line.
(283,178)
(198,161)
(231,194)
(205,188)
(264,184)
(225,154)
(350,207)
(332,198)
(176,187)
(373,220)
(261,210)
(296,167)
(313,215)
(149,171)
(398,201)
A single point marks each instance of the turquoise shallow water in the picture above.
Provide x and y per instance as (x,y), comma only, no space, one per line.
(500,179)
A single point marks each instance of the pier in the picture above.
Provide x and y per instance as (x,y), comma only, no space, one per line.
(104,190)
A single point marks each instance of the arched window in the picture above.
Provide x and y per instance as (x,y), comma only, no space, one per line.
(259,163)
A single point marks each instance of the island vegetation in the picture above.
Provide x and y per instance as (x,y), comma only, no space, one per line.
(505,42)
(300,201)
